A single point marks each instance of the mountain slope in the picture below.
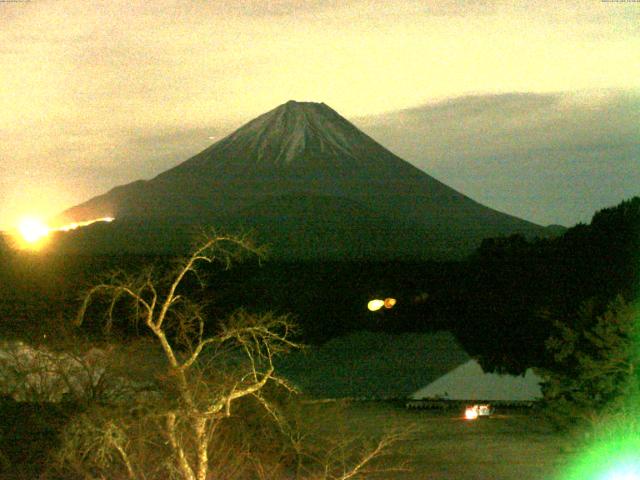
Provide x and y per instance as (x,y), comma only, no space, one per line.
(302,170)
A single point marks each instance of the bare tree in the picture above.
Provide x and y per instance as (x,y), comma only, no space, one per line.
(182,430)
(342,451)
(250,341)
(77,372)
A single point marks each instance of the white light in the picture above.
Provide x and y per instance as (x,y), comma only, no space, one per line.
(74,225)
(623,472)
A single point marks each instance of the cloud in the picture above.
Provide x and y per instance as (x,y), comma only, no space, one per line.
(549,158)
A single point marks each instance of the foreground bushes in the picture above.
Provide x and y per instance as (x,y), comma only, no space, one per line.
(183,401)
(597,360)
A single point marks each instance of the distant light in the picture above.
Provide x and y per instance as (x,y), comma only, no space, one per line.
(375,304)
(471,413)
(74,225)
(483,410)
(32,230)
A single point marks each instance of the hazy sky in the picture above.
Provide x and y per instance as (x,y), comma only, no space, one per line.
(99,93)
(549,158)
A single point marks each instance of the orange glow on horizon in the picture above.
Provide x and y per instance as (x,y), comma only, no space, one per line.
(32,231)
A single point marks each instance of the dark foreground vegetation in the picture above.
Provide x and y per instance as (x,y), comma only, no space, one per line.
(511,445)
(563,305)
(509,292)
(437,444)
(156,395)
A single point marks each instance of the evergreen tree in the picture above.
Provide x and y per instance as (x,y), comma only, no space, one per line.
(596,362)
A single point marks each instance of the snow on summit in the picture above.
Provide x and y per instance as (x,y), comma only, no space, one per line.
(295,131)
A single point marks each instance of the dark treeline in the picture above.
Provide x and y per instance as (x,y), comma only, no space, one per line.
(500,302)
(516,288)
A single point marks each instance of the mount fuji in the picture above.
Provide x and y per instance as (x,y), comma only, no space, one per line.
(309,183)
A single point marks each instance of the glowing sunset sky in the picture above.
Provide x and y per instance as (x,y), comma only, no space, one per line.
(99,93)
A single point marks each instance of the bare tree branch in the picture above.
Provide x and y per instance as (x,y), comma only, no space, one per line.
(171,318)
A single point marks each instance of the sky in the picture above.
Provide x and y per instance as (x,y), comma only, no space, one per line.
(553,158)
(528,107)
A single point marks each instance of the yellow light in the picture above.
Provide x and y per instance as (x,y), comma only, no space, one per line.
(32,230)
(376,304)
(389,302)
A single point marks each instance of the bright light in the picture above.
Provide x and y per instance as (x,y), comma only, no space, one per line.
(376,304)
(471,413)
(612,456)
(74,225)
(623,472)
(32,230)
(484,410)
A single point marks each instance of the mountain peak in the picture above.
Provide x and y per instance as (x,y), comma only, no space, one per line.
(308,108)
(300,114)
(297,135)
(304,108)
(303,170)
(297,104)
